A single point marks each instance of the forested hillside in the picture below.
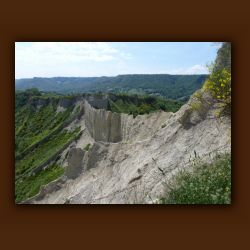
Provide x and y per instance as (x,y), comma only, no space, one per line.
(169,86)
(21,97)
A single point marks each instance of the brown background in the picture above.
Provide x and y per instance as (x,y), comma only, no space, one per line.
(199,226)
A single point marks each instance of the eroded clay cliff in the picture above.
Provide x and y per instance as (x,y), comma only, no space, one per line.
(118,168)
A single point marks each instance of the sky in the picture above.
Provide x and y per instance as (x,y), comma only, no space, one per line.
(90,59)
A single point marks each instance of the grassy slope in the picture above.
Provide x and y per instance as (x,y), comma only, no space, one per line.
(31,185)
(40,154)
(46,116)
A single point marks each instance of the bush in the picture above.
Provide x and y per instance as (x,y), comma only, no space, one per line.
(217,88)
(67,201)
(210,183)
(57,158)
(66,154)
(87,147)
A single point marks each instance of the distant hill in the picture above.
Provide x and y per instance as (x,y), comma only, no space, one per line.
(169,86)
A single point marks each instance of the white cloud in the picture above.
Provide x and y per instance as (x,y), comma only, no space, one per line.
(126,56)
(51,52)
(197,69)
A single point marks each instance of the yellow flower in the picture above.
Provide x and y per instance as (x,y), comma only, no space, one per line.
(196,165)
(229,140)
(222,173)
(218,96)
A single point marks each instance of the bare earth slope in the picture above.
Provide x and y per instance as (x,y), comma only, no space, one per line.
(108,172)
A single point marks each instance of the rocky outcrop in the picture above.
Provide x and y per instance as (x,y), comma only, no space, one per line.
(107,127)
(223,57)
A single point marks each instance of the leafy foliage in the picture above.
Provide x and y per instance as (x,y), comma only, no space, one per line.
(218,85)
(208,184)
(145,105)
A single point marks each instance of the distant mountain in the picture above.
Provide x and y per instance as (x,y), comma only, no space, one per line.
(170,86)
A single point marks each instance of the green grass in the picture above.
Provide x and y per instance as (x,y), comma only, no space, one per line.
(40,154)
(87,147)
(210,183)
(31,185)
(46,116)
(77,110)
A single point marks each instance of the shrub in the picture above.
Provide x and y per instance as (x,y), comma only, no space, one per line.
(66,154)
(87,147)
(164,125)
(216,89)
(57,158)
(67,201)
(210,183)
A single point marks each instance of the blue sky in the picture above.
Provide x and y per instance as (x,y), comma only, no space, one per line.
(86,59)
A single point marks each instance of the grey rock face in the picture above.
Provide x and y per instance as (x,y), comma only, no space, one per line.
(75,159)
(105,126)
